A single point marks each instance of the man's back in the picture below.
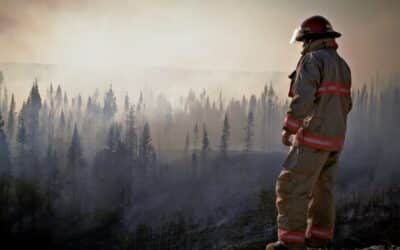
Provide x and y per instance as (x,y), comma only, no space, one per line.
(333,100)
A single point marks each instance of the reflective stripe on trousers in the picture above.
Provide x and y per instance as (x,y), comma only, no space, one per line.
(320,233)
(291,236)
(313,141)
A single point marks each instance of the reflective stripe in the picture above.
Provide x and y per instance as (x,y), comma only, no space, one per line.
(334,88)
(290,236)
(319,142)
(321,233)
(292,124)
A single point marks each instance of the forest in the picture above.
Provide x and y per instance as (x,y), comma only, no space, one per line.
(93,171)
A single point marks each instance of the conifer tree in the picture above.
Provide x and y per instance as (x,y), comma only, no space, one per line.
(110,105)
(22,141)
(131,139)
(21,132)
(146,149)
(205,143)
(79,103)
(249,132)
(114,137)
(65,100)
(195,137)
(33,107)
(5,164)
(74,154)
(11,118)
(58,96)
(89,105)
(126,103)
(5,102)
(225,137)
(75,173)
(50,92)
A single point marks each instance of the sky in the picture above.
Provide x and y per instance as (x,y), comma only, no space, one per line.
(248,35)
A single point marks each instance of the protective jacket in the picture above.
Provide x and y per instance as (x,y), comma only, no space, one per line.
(321,100)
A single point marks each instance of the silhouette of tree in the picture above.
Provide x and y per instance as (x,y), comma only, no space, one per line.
(249,132)
(11,118)
(225,137)
(110,105)
(5,164)
(131,138)
(205,143)
(146,149)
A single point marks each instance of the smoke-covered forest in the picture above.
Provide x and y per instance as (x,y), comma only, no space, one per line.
(142,172)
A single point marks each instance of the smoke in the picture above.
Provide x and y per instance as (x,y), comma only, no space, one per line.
(224,35)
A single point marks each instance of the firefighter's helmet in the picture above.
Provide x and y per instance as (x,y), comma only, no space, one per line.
(315,27)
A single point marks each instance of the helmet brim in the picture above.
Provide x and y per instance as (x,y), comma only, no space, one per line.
(300,36)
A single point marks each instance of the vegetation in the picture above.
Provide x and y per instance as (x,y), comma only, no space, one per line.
(82,173)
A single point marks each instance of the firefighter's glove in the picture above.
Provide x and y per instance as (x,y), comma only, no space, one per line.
(286,136)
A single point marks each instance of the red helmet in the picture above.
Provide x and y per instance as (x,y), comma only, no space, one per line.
(315,27)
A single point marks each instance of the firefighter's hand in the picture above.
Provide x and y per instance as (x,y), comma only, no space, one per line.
(286,138)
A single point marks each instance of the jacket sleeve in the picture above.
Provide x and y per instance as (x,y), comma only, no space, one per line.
(305,86)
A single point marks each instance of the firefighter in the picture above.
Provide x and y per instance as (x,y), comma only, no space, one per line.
(314,128)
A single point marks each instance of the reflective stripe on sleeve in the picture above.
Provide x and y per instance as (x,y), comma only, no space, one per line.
(292,124)
(320,233)
(291,236)
(334,88)
(320,142)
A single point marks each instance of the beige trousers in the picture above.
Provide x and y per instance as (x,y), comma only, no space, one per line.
(305,195)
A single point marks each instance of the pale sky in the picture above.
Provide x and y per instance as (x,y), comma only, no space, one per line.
(250,35)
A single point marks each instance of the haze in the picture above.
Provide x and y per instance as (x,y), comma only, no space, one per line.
(213,35)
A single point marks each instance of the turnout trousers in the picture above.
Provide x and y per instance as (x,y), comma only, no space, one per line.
(305,196)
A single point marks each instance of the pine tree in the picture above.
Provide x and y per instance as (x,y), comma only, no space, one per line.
(146,149)
(5,164)
(114,137)
(50,92)
(89,105)
(22,140)
(195,137)
(252,103)
(33,107)
(110,105)
(131,139)
(270,115)
(264,117)
(65,100)
(75,163)
(126,104)
(11,118)
(221,102)
(249,132)
(74,154)
(205,143)
(5,101)
(21,132)
(58,96)
(225,137)
(79,104)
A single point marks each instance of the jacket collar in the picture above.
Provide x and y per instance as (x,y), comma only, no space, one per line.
(327,43)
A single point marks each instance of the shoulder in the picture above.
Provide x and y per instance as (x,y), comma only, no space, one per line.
(314,58)
(321,55)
